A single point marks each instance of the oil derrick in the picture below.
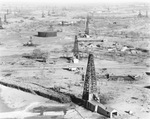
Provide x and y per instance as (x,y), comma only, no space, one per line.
(5,18)
(93,76)
(90,83)
(139,15)
(48,13)
(76,49)
(147,14)
(87,26)
(1,27)
(53,12)
(43,15)
(7,12)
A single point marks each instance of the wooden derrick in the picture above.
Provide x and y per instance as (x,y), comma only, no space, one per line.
(87,26)
(90,83)
(5,18)
(93,76)
(147,14)
(1,27)
(43,15)
(76,49)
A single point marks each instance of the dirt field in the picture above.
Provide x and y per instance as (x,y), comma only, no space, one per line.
(127,89)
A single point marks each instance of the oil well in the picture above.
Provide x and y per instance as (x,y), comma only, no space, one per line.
(90,97)
(1,27)
(86,31)
(5,18)
(76,51)
(87,25)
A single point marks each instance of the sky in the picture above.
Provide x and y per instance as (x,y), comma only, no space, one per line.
(75,1)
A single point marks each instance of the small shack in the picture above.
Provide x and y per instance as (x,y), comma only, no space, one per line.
(106,111)
(100,108)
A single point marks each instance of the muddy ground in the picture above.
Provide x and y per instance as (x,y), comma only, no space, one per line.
(125,90)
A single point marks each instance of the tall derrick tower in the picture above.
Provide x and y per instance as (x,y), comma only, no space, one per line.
(90,83)
(1,27)
(146,14)
(48,13)
(43,15)
(76,49)
(5,18)
(7,12)
(140,14)
(87,26)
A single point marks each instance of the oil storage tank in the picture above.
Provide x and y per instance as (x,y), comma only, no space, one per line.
(47,34)
(50,32)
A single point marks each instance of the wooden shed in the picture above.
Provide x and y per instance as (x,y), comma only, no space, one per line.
(106,111)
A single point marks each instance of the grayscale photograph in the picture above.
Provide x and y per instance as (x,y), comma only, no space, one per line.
(74,59)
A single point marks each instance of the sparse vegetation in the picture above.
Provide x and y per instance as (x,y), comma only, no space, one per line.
(121,55)
(38,55)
